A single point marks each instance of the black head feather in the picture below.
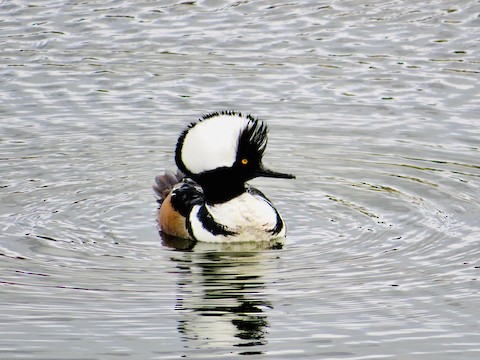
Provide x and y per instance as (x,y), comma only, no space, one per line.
(252,141)
(178,150)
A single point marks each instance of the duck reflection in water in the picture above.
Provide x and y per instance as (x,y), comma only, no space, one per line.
(222,294)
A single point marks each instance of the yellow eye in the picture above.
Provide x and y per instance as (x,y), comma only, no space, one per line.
(244,161)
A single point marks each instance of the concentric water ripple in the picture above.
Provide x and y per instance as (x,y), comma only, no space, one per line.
(401,247)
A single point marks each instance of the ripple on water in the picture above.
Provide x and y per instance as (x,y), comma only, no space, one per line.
(394,248)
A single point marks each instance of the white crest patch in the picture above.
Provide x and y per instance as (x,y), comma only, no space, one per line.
(212,143)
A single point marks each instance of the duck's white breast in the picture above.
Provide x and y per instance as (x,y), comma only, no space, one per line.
(251,217)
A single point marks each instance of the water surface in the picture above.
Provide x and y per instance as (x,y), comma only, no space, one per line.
(373,105)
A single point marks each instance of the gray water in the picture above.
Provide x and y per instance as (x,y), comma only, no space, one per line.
(374,105)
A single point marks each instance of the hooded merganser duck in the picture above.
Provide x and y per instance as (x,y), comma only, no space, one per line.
(209,199)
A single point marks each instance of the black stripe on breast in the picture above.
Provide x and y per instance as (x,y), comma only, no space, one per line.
(211,225)
(279,225)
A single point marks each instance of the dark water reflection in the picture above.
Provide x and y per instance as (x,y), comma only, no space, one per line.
(222,298)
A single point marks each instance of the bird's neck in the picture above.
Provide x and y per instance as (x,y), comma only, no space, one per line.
(220,186)
(222,192)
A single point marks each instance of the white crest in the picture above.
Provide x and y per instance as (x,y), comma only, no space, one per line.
(212,142)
